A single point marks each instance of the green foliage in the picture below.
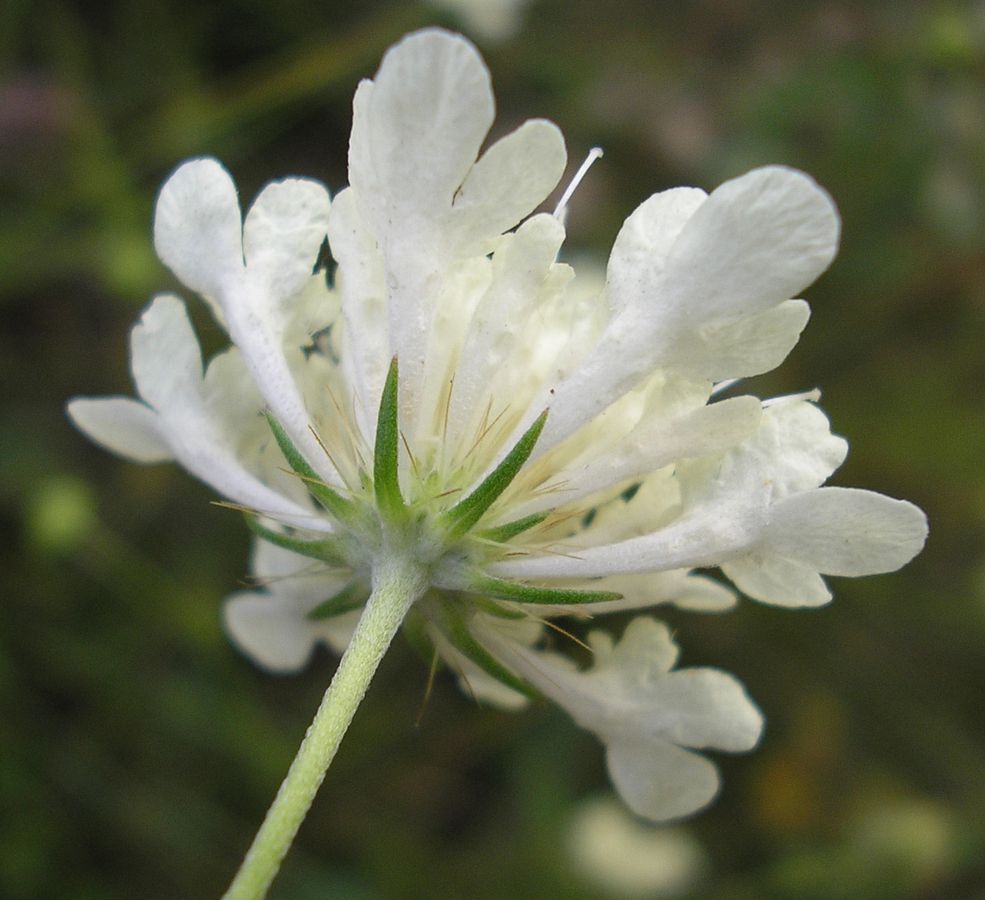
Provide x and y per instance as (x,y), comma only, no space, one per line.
(330,499)
(464,514)
(527,593)
(386,459)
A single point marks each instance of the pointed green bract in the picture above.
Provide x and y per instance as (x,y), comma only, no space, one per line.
(503,533)
(386,478)
(328,498)
(495,608)
(455,629)
(526,593)
(461,517)
(327,550)
(351,597)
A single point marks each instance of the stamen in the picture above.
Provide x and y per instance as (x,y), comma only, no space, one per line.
(560,211)
(810,396)
(432,671)
(724,386)
(564,632)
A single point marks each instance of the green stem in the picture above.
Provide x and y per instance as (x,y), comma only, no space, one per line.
(396,585)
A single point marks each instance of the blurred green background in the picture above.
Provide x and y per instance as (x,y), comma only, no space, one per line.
(138,751)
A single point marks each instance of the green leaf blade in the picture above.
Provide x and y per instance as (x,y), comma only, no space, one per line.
(351,597)
(503,533)
(326,550)
(461,517)
(386,461)
(456,631)
(331,500)
(526,593)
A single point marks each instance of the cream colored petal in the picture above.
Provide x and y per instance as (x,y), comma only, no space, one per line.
(282,234)
(520,269)
(659,781)
(752,244)
(269,631)
(121,425)
(758,240)
(656,442)
(640,251)
(508,182)
(365,355)
(845,531)
(197,227)
(741,346)
(164,354)
(777,581)
(166,364)
(420,129)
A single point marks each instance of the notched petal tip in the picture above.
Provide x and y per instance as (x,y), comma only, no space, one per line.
(283,232)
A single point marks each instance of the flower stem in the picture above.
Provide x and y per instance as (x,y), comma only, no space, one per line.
(397,583)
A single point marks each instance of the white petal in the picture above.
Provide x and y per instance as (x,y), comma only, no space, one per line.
(475,681)
(305,581)
(757,241)
(703,594)
(641,247)
(778,581)
(257,330)
(422,124)
(268,629)
(844,531)
(336,632)
(637,707)
(164,354)
(283,233)
(521,265)
(707,536)
(659,781)
(479,684)
(485,689)
(510,180)
(416,133)
(230,396)
(741,346)
(655,443)
(688,707)
(198,233)
(702,708)
(365,355)
(726,505)
(197,226)
(752,244)
(166,364)
(121,425)
(793,451)
(642,657)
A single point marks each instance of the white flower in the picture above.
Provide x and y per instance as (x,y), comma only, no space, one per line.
(492,20)
(457,399)
(619,856)
(649,717)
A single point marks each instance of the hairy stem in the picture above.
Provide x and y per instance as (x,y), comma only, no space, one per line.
(396,585)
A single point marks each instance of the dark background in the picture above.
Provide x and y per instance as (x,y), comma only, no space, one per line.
(138,751)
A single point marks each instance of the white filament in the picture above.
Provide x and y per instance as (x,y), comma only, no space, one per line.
(561,209)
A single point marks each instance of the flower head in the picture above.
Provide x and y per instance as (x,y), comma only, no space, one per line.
(459,400)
